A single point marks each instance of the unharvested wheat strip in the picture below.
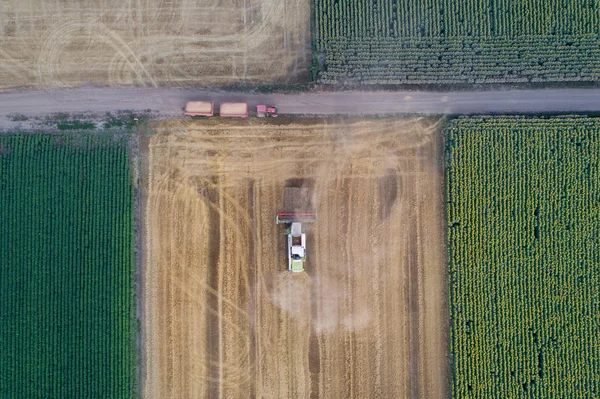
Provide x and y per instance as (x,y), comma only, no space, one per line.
(157,260)
(247,267)
(162,260)
(190,308)
(419,356)
(255,290)
(149,293)
(412,325)
(284,381)
(350,278)
(179,305)
(234,346)
(323,233)
(277,360)
(302,356)
(184,257)
(266,322)
(434,271)
(297,336)
(335,366)
(394,308)
(364,318)
(172,269)
(218,269)
(321,256)
(165,311)
(198,316)
(260,146)
(240,129)
(375,239)
(357,226)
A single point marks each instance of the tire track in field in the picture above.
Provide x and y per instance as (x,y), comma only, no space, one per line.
(59,39)
(412,296)
(285,335)
(152,42)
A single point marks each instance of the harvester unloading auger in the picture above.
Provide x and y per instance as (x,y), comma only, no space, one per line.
(296,202)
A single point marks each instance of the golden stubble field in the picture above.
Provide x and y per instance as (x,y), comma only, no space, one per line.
(55,43)
(223,316)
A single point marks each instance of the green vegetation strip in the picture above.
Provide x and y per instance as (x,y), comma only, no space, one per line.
(455,41)
(523,215)
(67,319)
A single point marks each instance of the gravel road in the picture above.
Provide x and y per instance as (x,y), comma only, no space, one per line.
(168,102)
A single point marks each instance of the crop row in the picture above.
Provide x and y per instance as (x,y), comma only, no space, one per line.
(66,268)
(528,59)
(455,41)
(454,18)
(524,256)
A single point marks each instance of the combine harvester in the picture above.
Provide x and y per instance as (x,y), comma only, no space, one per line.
(296,200)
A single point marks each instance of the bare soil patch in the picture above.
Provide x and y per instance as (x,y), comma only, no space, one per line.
(153,42)
(224,318)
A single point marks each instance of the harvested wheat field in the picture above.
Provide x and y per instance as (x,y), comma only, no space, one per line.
(153,42)
(224,317)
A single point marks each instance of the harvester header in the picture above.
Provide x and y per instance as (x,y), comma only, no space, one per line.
(294,220)
(292,217)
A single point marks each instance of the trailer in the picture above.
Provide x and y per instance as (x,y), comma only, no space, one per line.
(199,108)
(234,110)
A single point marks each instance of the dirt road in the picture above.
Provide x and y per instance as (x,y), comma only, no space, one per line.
(169,102)
(225,319)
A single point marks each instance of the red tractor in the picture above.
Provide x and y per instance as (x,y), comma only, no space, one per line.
(266,110)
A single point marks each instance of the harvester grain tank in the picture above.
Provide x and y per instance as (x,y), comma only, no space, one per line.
(234,110)
(266,110)
(294,217)
(199,108)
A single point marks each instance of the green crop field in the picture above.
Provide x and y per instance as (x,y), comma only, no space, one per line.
(456,41)
(67,310)
(523,215)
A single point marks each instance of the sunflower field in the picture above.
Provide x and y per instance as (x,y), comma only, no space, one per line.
(444,42)
(523,224)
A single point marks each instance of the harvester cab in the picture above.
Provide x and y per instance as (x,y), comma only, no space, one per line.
(296,235)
